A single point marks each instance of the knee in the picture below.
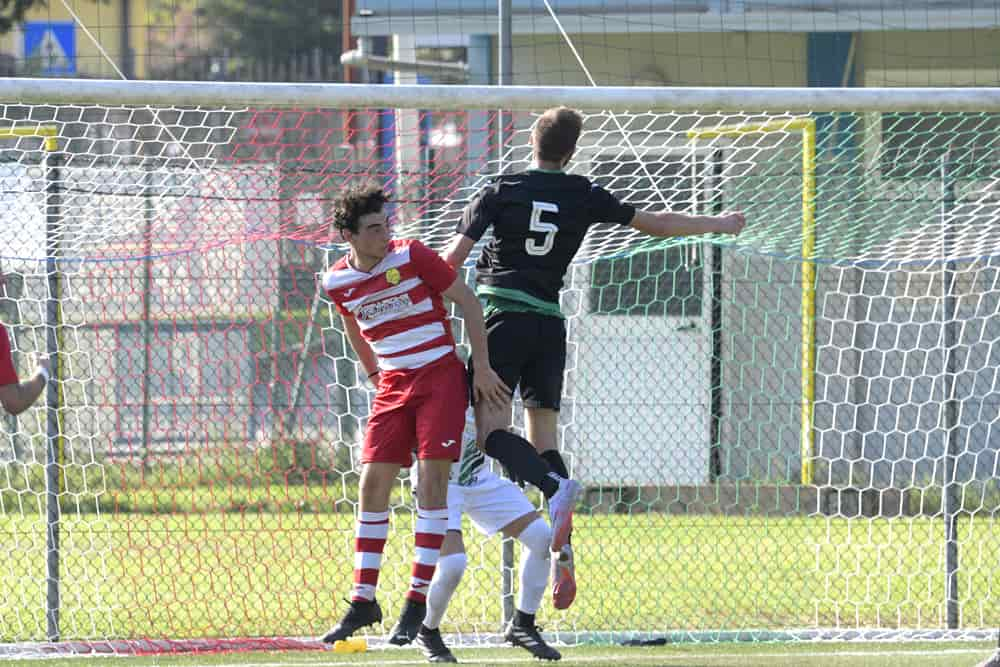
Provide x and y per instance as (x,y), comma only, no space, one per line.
(483,438)
(432,483)
(537,537)
(451,567)
(488,421)
(432,494)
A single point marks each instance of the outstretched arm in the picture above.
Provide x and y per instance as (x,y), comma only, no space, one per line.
(668,223)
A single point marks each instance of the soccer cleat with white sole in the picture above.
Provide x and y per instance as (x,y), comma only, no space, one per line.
(408,625)
(563,578)
(433,646)
(530,639)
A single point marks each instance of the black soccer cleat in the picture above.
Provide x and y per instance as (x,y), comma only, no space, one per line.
(408,625)
(433,647)
(530,639)
(361,613)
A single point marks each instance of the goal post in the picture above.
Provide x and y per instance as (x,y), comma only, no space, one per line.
(791,434)
(807,126)
(54,450)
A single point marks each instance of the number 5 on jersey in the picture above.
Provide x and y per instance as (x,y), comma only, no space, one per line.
(531,246)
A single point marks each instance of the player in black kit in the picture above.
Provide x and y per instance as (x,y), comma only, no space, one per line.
(539,219)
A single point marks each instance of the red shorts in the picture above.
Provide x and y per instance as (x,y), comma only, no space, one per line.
(422,410)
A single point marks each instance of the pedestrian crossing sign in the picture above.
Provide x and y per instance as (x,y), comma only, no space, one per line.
(50,47)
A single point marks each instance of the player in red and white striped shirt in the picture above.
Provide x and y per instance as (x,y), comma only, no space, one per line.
(17,396)
(389,293)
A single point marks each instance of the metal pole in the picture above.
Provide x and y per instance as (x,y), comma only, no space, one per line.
(504,70)
(53,449)
(950,340)
(127,58)
(147,334)
(715,328)
(505,47)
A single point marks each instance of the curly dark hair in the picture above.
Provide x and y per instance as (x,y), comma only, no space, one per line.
(555,133)
(359,200)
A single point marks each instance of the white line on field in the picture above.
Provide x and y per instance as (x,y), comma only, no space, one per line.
(631,657)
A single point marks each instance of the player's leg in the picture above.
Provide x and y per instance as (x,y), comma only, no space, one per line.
(535,536)
(372,529)
(431,525)
(541,390)
(450,568)
(386,448)
(541,427)
(509,352)
(440,399)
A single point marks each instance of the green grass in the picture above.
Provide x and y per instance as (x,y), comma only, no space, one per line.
(262,574)
(702,655)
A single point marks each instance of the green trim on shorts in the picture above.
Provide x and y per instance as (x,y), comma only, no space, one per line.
(501,299)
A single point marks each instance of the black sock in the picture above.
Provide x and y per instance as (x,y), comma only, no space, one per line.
(523,620)
(519,456)
(555,461)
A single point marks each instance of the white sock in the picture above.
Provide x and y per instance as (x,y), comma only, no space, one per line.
(449,572)
(535,539)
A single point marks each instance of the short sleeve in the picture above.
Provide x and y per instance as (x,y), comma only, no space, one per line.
(330,294)
(433,270)
(605,207)
(8,374)
(479,214)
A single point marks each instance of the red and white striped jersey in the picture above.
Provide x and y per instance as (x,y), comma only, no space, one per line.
(8,375)
(397,304)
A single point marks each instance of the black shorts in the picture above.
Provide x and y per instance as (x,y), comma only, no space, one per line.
(528,351)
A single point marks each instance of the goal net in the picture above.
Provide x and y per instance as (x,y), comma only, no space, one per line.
(792,433)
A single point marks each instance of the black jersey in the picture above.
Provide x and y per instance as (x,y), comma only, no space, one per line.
(539,220)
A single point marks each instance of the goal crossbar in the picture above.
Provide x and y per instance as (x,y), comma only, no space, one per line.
(443,97)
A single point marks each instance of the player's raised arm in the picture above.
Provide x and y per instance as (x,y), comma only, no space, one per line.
(669,223)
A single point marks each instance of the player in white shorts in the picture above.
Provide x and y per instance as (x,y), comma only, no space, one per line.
(494,505)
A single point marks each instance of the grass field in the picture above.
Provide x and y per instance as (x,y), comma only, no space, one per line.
(689,655)
(230,574)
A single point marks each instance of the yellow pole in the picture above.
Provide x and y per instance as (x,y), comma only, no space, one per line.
(808,305)
(49,132)
(808,299)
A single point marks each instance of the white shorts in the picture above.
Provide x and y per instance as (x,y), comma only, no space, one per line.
(490,505)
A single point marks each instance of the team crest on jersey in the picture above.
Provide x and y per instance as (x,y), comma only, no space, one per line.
(392,276)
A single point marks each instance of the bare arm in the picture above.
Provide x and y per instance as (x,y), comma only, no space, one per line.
(487,384)
(18,397)
(472,313)
(361,347)
(458,250)
(668,223)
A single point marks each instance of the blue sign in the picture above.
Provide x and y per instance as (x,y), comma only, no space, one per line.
(50,47)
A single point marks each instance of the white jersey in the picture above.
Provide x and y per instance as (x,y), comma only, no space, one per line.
(472,467)
(490,501)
